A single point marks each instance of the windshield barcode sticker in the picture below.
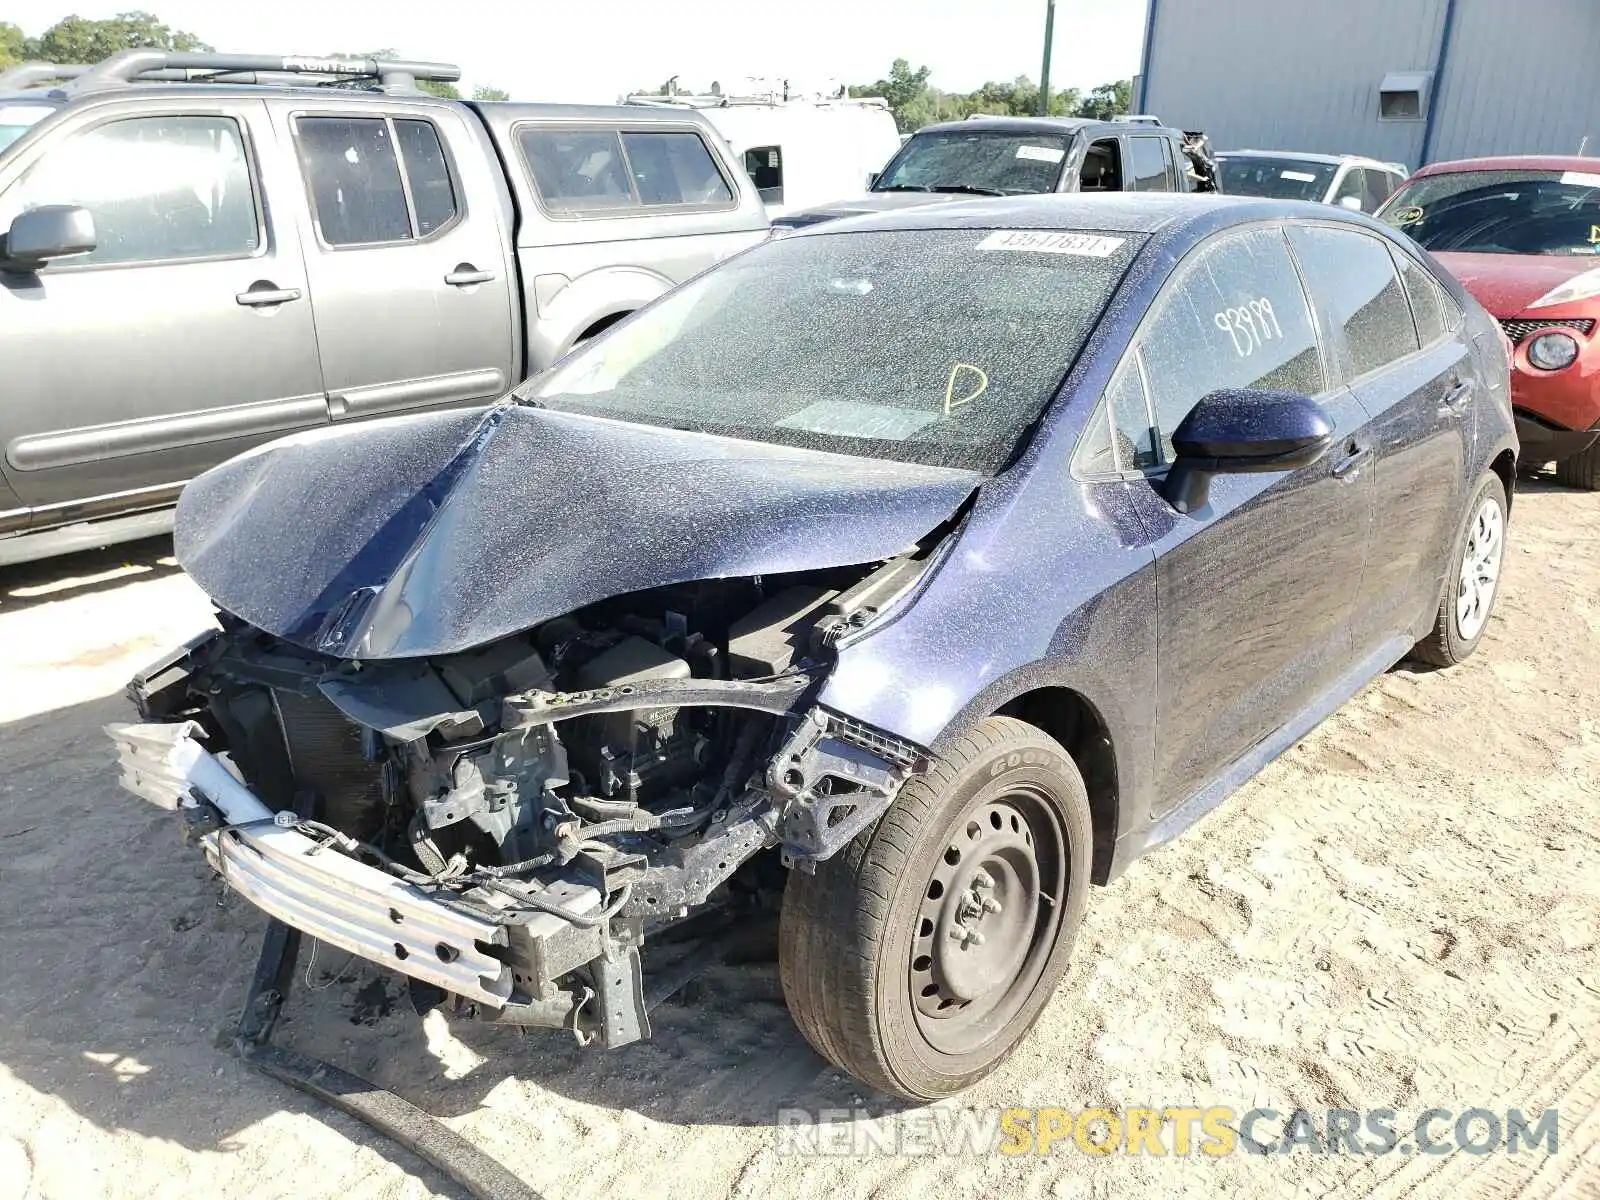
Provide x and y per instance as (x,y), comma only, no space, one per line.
(1047,154)
(1042,241)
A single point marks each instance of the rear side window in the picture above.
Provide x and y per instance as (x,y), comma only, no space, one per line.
(433,194)
(1354,280)
(1234,316)
(1427,302)
(375,180)
(353,172)
(593,172)
(160,189)
(1148,165)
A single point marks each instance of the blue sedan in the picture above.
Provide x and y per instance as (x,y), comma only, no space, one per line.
(921,570)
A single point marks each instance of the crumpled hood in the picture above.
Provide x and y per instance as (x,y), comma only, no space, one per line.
(434,533)
(875,202)
(1506,284)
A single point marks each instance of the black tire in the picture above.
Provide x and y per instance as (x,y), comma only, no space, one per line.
(1581,470)
(1447,644)
(859,945)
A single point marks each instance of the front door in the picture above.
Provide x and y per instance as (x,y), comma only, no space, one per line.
(1255,591)
(407,256)
(184,337)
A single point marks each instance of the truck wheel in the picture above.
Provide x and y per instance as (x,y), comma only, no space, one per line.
(1474,580)
(917,957)
(1581,470)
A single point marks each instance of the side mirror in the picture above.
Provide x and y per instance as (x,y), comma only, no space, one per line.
(1353,203)
(48,232)
(1240,431)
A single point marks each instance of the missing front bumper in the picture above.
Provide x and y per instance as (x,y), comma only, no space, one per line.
(287,875)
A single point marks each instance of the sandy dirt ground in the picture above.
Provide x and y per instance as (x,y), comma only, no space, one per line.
(1402,912)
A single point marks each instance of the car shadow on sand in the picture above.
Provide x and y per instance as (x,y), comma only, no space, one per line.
(24,585)
(124,977)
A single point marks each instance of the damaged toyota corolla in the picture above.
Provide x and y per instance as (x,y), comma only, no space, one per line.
(841,573)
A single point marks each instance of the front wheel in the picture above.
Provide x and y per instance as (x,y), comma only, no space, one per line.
(1474,580)
(919,956)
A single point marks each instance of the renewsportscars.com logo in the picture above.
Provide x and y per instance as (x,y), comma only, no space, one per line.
(1158,1132)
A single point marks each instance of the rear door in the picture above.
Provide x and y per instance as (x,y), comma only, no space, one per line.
(1150,167)
(183,338)
(407,250)
(1418,397)
(1255,592)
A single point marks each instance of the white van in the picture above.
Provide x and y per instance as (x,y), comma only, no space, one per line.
(800,152)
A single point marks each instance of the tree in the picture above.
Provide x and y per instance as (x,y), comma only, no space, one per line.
(1108,100)
(13,46)
(79,40)
(490,93)
(907,93)
(445,91)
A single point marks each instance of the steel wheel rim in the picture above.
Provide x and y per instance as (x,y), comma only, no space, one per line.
(1002,876)
(1480,569)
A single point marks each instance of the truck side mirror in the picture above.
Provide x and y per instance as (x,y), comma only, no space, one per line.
(48,232)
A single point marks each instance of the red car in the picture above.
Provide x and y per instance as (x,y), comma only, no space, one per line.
(1523,236)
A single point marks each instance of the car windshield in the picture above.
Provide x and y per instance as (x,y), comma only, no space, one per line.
(985,162)
(1279,178)
(928,346)
(1501,212)
(17,119)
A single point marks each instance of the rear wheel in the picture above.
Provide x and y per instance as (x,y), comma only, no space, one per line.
(1474,580)
(919,956)
(1581,470)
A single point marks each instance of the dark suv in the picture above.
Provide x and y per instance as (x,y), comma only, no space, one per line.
(1018,156)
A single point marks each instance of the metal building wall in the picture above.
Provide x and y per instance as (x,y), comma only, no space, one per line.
(1520,76)
(1295,75)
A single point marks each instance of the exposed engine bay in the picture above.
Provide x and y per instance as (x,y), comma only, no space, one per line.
(509,824)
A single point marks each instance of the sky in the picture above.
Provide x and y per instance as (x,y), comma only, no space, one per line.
(596,50)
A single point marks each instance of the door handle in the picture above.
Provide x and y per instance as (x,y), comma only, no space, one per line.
(1356,456)
(1457,397)
(465,275)
(264,293)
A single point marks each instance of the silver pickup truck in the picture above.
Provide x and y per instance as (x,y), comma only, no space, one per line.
(202,252)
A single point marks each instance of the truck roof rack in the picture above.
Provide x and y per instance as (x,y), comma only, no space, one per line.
(143,66)
(774,98)
(30,74)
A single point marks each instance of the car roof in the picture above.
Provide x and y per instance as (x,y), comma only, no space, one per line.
(511,109)
(1516,162)
(1056,125)
(1306,156)
(1121,212)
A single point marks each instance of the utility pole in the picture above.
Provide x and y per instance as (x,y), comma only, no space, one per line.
(1044,71)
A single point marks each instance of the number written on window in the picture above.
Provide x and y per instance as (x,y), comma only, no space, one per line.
(1249,326)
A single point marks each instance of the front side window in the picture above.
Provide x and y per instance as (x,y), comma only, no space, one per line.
(1147,164)
(982,162)
(1353,278)
(764,165)
(929,346)
(1501,212)
(1351,187)
(1276,178)
(160,189)
(1235,316)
